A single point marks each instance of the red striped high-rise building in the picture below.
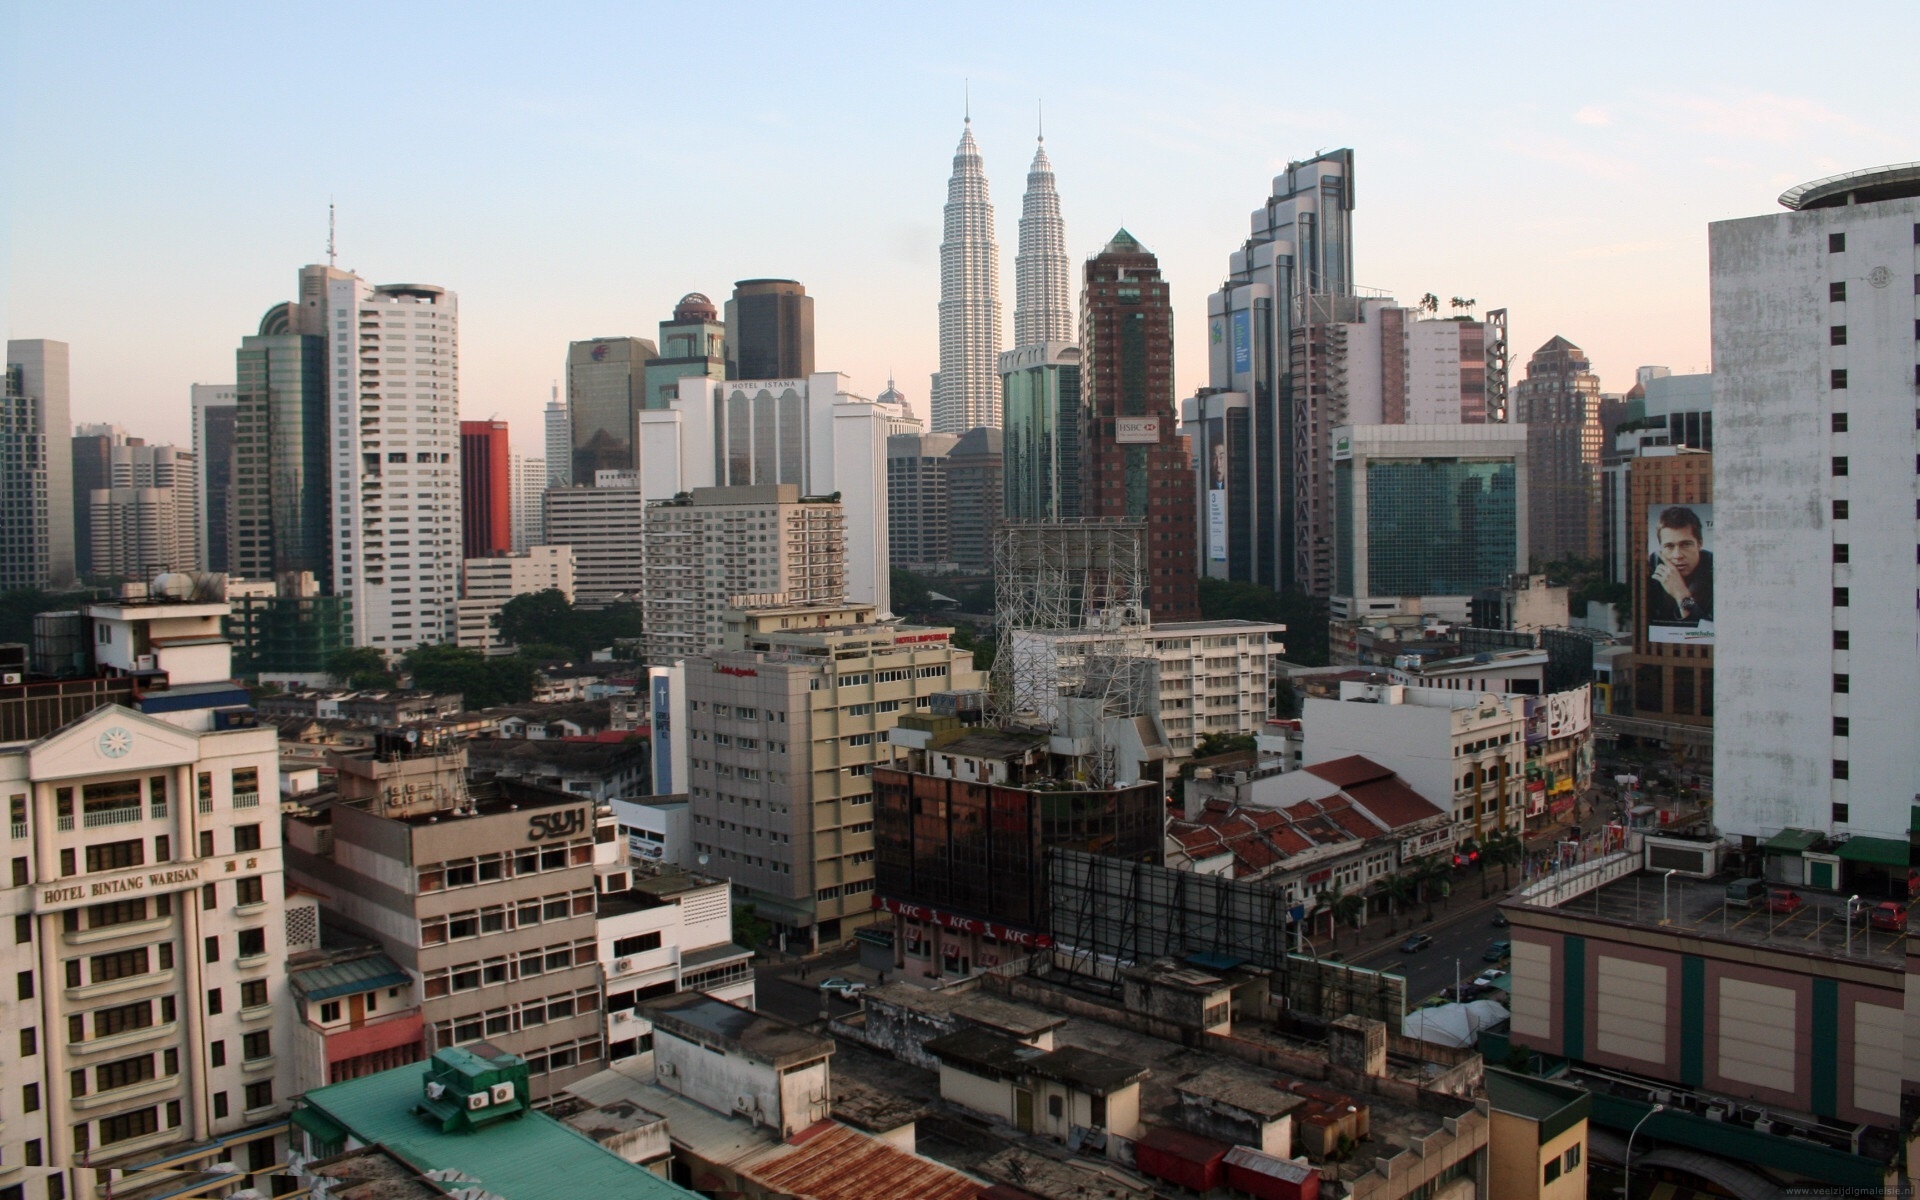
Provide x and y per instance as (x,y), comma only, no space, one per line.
(486,508)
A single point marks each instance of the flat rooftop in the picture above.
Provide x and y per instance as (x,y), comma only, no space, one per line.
(767,1038)
(1699,907)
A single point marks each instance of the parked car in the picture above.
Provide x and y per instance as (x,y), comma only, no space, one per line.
(1498,952)
(1746,893)
(1784,900)
(1890,915)
(1500,920)
(1487,979)
(1416,941)
(846,989)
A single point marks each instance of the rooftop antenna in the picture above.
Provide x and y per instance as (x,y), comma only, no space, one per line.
(1040,106)
(329,231)
(966,99)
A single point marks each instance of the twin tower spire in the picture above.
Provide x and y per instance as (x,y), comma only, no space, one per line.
(966,391)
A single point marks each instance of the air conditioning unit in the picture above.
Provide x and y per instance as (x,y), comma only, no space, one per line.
(1660,1096)
(503,1093)
(11,677)
(1716,1113)
(666,1069)
(1763,1125)
(621,1018)
(624,964)
(478,1100)
(143,662)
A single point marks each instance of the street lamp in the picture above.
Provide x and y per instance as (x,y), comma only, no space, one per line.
(1626,1188)
(1852,903)
(1665,917)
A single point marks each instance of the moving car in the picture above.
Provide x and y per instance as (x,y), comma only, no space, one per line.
(1416,941)
(1784,900)
(846,989)
(1500,920)
(1498,952)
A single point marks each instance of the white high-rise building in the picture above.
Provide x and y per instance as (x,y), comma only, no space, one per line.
(1042,274)
(394,365)
(603,524)
(1815,441)
(526,482)
(36,467)
(812,433)
(559,431)
(146,520)
(491,582)
(966,391)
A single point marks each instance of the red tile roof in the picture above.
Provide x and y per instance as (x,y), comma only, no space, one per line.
(1353,769)
(1394,802)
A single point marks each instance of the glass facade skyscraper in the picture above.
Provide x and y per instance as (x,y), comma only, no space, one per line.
(280,521)
(606,389)
(1040,386)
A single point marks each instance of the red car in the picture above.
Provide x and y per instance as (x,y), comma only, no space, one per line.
(1889,915)
(1784,900)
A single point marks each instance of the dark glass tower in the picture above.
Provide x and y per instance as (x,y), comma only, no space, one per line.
(769,330)
(280,517)
(1137,465)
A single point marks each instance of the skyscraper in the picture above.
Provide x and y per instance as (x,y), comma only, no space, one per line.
(486,489)
(280,515)
(1559,401)
(92,449)
(975,467)
(1814,467)
(1042,276)
(966,392)
(36,467)
(559,441)
(769,330)
(692,342)
(214,412)
(606,389)
(396,544)
(142,520)
(1137,466)
(529,482)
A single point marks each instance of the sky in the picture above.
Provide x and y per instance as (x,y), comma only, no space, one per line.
(571,170)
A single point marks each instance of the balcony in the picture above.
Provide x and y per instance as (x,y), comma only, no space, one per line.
(127,983)
(246,799)
(19,830)
(120,1041)
(96,817)
(146,1087)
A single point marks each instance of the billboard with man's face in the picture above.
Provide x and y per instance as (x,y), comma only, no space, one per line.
(1679,584)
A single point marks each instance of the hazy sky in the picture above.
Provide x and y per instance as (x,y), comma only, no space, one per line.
(572,170)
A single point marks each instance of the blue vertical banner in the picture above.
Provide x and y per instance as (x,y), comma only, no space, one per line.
(1242,341)
(662,697)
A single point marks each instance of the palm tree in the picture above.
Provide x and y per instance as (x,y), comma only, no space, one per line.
(1343,907)
(1434,874)
(1398,889)
(1504,849)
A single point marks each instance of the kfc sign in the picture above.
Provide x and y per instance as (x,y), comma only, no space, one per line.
(1003,933)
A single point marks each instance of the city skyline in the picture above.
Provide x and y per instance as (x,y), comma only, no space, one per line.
(1548,198)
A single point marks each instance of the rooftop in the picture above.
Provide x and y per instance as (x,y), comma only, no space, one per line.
(532,1157)
(997,1054)
(975,1007)
(346,977)
(696,1016)
(827,1161)
(1896,181)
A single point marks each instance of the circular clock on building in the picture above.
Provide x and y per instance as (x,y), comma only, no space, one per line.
(115,742)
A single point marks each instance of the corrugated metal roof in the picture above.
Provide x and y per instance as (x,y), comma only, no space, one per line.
(527,1158)
(829,1161)
(345,978)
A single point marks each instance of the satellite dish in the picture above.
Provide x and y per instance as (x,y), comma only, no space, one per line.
(703,860)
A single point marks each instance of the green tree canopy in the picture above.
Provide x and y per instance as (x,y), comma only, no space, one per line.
(482,682)
(548,619)
(360,667)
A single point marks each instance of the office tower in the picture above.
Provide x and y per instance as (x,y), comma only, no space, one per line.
(153,923)
(279,518)
(966,391)
(143,520)
(488,583)
(974,488)
(1559,402)
(1814,455)
(606,389)
(604,524)
(528,486)
(214,411)
(1042,276)
(788,723)
(1040,405)
(486,489)
(769,330)
(812,433)
(559,441)
(1434,512)
(36,467)
(919,508)
(735,546)
(693,342)
(1137,466)
(92,469)
(1297,267)
(397,479)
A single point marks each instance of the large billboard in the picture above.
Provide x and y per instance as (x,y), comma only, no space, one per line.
(1242,341)
(1679,584)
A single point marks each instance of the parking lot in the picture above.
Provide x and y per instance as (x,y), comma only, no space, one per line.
(1700,906)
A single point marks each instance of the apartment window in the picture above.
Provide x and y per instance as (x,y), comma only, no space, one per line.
(29,1042)
(128,1126)
(1840,597)
(20,869)
(24,983)
(253,993)
(1837,291)
(245,838)
(124,1073)
(1840,814)
(219,1104)
(124,965)
(1836,335)
(1840,552)
(1839,768)
(213,948)
(209,896)
(251,890)
(114,856)
(1841,639)
(34,1157)
(1840,726)
(638,944)
(1839,422)
(1839,464)
(206,843)
(66,863)
(1553,1169)
(1836,242)
(329,1011)
(1837,378)
(1840,683)
(217,1053)
(257,1045)
(1839,510)
(213,1001)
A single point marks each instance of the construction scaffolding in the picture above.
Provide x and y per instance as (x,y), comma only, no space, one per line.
(1072,627)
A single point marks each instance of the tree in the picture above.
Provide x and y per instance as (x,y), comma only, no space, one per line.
(749,929)
(1436,877)
(1503,850)
(482,682)
(1399,890)
(534,617)
(910,592)
(360,667)
(1211,744)
(1345,907)
(547,619)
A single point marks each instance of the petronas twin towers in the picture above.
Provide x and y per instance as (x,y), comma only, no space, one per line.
(966,391)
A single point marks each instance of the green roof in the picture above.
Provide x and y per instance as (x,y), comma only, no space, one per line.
(1884,851)
(532,1158)
(1792,841)
(1554,1107)
(1124,241)
(347,978)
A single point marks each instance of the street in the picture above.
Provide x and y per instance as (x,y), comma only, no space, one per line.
(1459,934)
